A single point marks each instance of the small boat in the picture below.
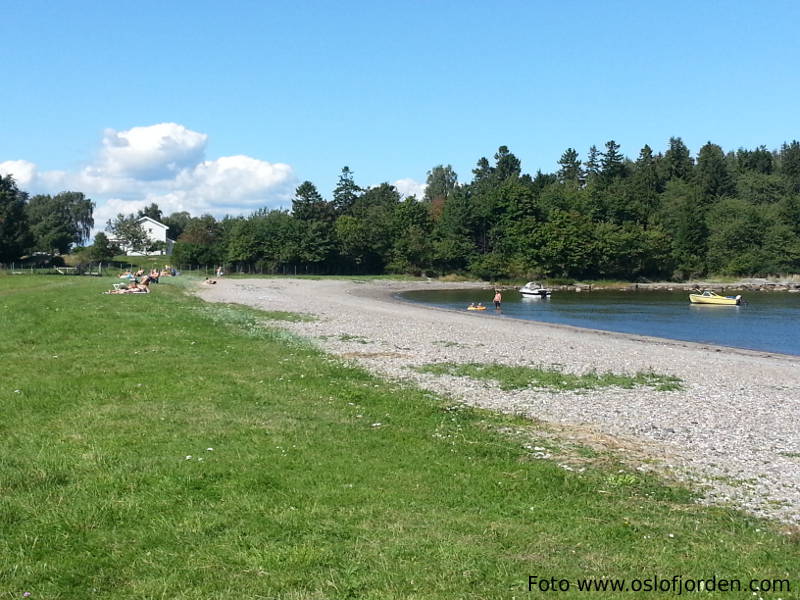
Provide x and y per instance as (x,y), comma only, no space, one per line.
(709,297)
(478,307)
(533,289)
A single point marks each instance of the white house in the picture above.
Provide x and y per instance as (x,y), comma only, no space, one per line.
(156,232)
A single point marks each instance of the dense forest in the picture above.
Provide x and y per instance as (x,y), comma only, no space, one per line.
(661,216)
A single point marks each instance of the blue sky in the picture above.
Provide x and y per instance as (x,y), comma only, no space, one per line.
(223,108)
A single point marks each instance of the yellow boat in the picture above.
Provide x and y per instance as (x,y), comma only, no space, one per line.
(479,307)
(708,297)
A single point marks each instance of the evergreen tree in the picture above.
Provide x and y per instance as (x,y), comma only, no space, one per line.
(592,163)
(677,160)
(712,174)
(790,164)
(759,160)
(346,192)
(684,218)
(506,164)
(570,167)
(314,239)
(412,251)
(644,186)
(369,230)
(567,245)
(308,204)
(612,163)
(483,171)
(453,245)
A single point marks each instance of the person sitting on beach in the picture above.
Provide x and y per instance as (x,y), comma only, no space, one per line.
(210,281)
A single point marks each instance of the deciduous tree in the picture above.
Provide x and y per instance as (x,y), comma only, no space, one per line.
(128,232)
(15,236)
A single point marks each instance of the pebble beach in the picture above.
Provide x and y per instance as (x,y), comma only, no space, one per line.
(732,432)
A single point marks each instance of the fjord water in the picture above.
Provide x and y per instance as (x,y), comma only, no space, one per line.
(769,321)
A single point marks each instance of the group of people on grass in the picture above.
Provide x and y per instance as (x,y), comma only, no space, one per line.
(139,282)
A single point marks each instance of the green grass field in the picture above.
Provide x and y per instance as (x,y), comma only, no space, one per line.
(514,378)
(153,446)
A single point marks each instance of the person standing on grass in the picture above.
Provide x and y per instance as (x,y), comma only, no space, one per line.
(498,298)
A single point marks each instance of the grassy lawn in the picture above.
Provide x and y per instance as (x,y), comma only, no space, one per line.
(154,446)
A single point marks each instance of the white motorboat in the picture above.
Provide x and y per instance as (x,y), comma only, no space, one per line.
(533,289)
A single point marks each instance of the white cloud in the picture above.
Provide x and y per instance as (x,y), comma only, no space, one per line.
(150,153)
(165,164)
(23,171)
(236,181)
(410,187)
(227,185)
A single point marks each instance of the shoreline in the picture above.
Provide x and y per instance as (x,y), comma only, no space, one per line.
(730,431)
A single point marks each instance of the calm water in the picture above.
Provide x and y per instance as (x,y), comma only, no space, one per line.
(769,321)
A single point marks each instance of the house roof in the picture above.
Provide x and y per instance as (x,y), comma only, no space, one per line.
(153,221)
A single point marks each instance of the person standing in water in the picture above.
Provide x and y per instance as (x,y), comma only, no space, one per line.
(498,298)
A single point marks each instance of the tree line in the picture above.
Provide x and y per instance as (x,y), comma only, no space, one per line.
(662,215)
(45,224)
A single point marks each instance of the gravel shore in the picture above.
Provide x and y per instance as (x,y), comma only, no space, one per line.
(733,431)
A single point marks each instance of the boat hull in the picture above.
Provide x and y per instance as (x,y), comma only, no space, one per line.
(535,294)
(718,300)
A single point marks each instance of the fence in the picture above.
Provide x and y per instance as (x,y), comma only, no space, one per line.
(103,268)
(86,269)
(112,268)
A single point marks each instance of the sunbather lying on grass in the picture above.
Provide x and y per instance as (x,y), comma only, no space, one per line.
(143,287)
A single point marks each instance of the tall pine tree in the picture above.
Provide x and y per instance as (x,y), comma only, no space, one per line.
(569,167)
